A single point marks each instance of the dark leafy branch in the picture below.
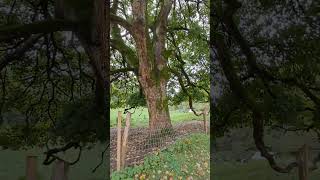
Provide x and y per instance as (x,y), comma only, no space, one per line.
(178,56)
(47,26)
(51,153)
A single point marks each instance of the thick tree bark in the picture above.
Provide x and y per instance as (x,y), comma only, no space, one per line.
(94,39)
(153,82)
(157,102)
(153,70)
(93,36)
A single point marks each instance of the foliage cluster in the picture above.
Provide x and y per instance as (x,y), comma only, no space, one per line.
(284,83)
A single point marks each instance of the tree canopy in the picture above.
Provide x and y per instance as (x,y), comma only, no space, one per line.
(54,74)
(266,59)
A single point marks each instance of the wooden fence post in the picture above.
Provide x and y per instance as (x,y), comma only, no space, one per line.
(119,141)
(204,113)
(125,140)
(303,158)
(60,171)
(31,169)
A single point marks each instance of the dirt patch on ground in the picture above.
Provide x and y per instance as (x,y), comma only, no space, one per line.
(142,142)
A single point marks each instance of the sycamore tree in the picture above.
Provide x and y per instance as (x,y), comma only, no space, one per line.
(161,47)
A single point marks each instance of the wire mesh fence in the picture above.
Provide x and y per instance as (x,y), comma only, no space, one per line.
(143,141)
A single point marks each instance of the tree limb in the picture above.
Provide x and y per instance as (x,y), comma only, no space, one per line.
(19,52)
(126,51)
(46,26)
(162,18)
(232,6)
(122,70)
(50,154)
(122,22)
(185,91)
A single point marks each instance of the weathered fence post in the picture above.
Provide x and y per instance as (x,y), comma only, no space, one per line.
(119,141)
(303,158)
(60,171)
(204,113)
(125,140)
(31,169)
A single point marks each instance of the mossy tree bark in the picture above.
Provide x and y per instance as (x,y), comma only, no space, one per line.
(152,65)
(152,70)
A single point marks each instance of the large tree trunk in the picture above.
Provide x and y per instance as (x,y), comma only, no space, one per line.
(92,31)
(152,67)
(153,70)
(157,102)
(96,45)
(154,84)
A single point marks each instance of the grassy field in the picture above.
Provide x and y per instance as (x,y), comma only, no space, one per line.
(258,169)
(239,144)
(140,116)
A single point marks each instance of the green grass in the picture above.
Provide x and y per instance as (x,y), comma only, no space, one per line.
(140,117)
(188,157)
(12,164)
(258,169)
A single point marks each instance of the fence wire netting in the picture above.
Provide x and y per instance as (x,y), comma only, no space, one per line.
(143,141)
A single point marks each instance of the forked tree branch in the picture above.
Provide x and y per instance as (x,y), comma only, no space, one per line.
(122,22)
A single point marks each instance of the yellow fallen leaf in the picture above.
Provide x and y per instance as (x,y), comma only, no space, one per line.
(142,177)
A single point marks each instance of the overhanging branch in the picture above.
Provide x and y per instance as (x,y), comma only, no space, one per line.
(19,52)
(122,70)
(185,91)
(122,22)
(51,153)
(24,30)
